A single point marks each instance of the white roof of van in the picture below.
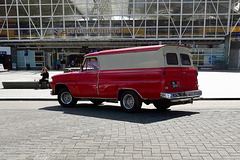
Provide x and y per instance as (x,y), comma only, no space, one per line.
(129,50)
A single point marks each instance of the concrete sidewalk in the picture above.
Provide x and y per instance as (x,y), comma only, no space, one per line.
(219,85)
(215,85)
(25,94)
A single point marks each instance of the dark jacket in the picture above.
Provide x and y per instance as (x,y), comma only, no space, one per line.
(45,75)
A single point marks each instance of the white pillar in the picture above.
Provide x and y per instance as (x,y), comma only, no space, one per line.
(48,60)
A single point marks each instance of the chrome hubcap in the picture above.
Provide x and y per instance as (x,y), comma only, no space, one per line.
(128,101)
(66,97)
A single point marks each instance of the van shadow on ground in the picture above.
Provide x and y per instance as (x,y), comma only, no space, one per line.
(110,112)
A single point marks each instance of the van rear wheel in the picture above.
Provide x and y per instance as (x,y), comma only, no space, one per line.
(130,101)
(162,105)
(66,99)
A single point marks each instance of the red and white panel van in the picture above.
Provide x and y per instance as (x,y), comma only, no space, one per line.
(163,75)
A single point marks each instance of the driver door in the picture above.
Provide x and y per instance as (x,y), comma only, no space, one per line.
(87,83)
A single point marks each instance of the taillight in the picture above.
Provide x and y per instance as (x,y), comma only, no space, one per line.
(196,72)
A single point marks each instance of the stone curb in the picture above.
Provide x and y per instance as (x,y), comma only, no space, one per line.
(55,99)
(27,99)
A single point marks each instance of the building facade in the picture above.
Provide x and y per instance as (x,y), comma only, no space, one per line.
(50,30)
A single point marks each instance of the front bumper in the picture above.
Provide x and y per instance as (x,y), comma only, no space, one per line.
(182,96)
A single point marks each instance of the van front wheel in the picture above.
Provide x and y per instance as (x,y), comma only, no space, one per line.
(130,101)
(66,99)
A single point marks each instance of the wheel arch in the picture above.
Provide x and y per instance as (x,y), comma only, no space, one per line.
(121,91)
(58,87)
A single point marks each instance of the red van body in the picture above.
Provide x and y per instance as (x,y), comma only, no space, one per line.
(162,75)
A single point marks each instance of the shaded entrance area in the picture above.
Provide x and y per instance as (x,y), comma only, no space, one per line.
(234,57)
(6,61)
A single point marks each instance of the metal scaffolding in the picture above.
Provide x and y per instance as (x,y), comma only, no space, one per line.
(125,20)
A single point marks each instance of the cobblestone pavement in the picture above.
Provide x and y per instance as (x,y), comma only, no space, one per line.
(44,130)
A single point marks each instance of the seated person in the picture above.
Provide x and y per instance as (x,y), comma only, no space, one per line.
(45,76)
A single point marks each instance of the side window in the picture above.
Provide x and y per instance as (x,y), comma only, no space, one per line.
(172,59)
(90,64)
(185,60)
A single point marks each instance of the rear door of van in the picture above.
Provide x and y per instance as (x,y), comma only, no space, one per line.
(180,73)
(189,73)
(173,72)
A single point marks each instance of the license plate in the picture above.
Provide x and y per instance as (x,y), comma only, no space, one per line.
(174,84)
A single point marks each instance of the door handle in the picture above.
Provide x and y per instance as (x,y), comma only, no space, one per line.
(184,72)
